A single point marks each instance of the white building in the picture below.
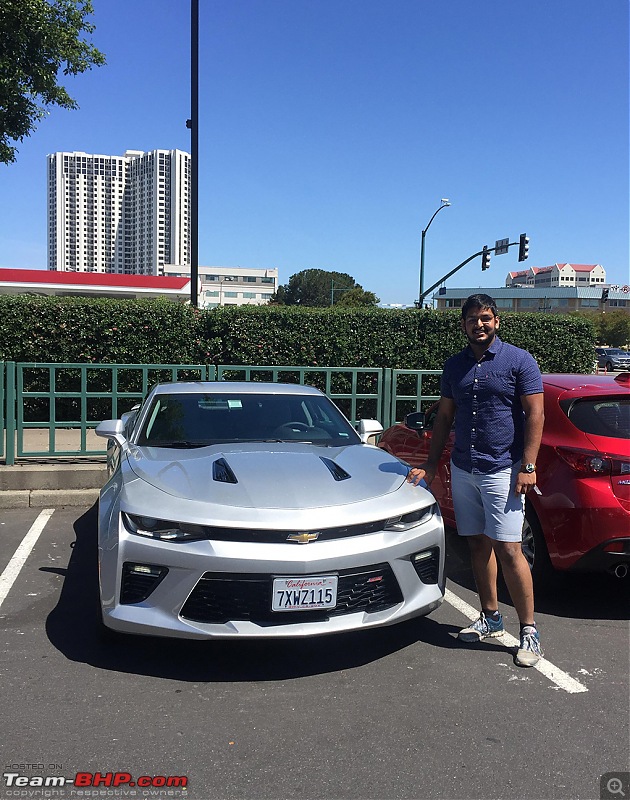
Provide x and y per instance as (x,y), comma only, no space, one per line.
(544,299)
(229,286)
(118,214)
(558,276)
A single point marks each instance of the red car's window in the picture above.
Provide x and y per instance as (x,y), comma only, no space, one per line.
(609,416)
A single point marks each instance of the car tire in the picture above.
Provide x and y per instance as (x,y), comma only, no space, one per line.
(535,549)
(609,366)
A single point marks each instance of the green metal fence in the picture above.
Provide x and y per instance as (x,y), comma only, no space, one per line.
(2,372)
(50,410)
(412,390)
(358,392)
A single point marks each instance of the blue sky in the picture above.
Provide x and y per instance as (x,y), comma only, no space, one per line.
(330,129)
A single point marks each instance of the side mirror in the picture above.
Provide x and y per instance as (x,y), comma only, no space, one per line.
(369,428)
(416,420)
(128,418)
(112,429)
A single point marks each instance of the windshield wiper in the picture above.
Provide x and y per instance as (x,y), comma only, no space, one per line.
(180,444)
(252,441)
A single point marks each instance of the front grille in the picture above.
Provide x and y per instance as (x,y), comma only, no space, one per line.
(261,536)
(221,597)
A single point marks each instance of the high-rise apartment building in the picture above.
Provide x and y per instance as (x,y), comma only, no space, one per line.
(123,214)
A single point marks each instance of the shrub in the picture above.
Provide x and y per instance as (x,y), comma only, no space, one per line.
(103,330)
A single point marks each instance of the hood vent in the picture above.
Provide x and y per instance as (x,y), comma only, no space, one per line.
(336,471)
(222,472)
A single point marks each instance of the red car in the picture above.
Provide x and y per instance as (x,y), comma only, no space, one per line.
(580,520)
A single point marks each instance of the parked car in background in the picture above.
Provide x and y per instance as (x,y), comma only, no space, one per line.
(612,358)
(581,518)
(253,510)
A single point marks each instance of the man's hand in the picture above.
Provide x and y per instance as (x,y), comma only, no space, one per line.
(424,471)
(524,482)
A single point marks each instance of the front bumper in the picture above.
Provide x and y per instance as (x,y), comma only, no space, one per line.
(222,590)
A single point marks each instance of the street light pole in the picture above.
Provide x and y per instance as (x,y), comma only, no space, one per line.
(194,152)
(444,203)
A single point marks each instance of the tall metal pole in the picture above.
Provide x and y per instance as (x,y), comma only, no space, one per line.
(194,151)
(421,293)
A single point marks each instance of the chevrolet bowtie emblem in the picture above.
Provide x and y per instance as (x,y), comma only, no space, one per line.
(302,538)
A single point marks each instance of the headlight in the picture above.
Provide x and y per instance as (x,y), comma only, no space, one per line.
(410,520)
(163,529)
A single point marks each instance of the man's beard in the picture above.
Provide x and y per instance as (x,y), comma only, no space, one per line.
(487,342)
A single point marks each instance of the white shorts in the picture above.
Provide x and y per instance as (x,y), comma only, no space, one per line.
(487,504)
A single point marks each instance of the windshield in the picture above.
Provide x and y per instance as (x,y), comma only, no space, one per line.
(602,416)
(197,420)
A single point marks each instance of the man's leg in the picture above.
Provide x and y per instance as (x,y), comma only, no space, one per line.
(504,513)
(518,579)
(484,567)
(470,516)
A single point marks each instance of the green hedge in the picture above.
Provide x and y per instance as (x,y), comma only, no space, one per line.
(86,330)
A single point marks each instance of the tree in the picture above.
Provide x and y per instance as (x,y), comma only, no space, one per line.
(358,297)
(39,41)
(318,288)
(615,328)
(611,328)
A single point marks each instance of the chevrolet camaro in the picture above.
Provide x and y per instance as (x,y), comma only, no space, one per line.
(252,510)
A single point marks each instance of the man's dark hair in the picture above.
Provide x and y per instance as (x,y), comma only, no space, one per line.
(479,301)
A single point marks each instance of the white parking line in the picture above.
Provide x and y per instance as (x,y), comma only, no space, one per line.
(12,570)
(562,679)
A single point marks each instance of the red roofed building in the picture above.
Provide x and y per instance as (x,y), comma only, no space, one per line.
(93,284)
(559,276)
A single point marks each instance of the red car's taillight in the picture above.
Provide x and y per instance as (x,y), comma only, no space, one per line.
(592,462)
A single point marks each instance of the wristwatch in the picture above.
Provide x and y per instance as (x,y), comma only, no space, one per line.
(528,468)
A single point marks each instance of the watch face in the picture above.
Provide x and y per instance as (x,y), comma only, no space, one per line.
(529,468)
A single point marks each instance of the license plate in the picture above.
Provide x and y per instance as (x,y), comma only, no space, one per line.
(304,593)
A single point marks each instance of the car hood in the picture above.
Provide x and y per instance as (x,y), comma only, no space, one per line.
(282,475)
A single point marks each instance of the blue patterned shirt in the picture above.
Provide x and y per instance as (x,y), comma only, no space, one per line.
(489,418)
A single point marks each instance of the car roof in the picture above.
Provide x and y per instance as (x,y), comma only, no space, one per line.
(234,387)
(590,383)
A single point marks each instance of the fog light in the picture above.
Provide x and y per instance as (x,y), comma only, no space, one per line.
(139,580)
(143,569)
(427,565)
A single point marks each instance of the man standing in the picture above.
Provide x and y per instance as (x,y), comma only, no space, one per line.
(493,391)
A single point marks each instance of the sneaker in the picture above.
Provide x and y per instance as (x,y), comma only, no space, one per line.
(530,652)
(482,628)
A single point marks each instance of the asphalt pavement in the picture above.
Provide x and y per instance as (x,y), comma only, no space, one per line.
(401,713)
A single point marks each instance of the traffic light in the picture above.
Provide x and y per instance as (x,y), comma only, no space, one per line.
(523,247)
(485,258)
(605,295)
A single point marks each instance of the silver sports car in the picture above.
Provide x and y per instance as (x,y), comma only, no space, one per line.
(257,510)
